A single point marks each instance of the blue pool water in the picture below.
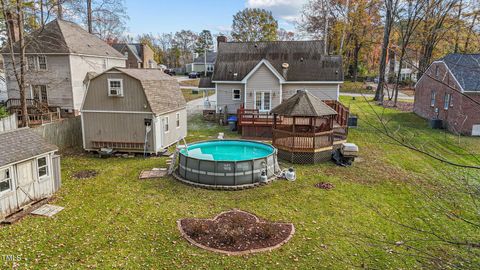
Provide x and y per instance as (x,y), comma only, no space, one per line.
(228,150)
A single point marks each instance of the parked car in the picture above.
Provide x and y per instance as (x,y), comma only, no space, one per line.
(170,72)
(193,75)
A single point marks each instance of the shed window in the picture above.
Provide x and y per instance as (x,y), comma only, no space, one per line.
(42,62)
(31,62)
(115,87)
(236,94)
(166,125)
(42,167)
(178,119)
(432,98)
(5,181)
(446,101)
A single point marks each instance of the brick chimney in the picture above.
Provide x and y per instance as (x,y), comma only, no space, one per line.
(221,38)
(13,25)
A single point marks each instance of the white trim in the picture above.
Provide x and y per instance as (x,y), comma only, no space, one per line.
(448,69)
(269,66)
(27,159)
(216,98)
(83,130)
(106,111)
(44,177)
(255,99)
(167,122)
(178,123)
(10,172)
(338,92)
(281,94)
(313,82)
(228,82)
(120,90)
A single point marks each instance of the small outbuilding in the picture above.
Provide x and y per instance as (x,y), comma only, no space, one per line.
(303,129)
(133,110)
(29,170)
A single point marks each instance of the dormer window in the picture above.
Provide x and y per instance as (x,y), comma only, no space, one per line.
(115,87)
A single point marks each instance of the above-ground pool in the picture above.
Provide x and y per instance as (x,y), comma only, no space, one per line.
(226,163)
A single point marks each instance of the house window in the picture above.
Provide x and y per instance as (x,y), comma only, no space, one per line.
(432,99)
(5,181)
(166,125)
(39,92)
(436,71)
(31,62)
(263,101)
(42,62)
(115,87)
(178,119)
(42,167)
(446,101)
(236,94)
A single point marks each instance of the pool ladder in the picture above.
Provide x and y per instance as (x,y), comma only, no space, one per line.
(171,168)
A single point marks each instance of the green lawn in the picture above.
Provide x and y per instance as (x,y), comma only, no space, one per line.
(189,94)
(117,221)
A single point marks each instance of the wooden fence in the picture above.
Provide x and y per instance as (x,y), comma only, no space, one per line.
(8,123)
(66,133)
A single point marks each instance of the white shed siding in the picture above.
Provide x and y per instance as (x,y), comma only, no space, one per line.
(262,80)
(174,133)
(225,96)
(322,91)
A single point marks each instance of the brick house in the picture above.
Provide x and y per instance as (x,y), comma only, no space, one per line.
(138,55)
(449,90)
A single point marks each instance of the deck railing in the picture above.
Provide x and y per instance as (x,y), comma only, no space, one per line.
(302,142)
(253,117)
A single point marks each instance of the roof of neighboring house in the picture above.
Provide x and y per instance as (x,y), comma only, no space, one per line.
(21,144)
(303,104)
(306,60)
(162,91)
(135,48)
(211,57)
(59,36)
(466,69)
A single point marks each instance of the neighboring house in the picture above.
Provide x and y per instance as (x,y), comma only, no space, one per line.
(58,58)
(29,170)
(200,62)
(408,71)
(261,75)
(448,91)
(133,110)
(3,87)
(138,55)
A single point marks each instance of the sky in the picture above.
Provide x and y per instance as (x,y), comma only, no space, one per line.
(165,16)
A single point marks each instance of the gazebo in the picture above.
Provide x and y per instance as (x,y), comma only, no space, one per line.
(303,129)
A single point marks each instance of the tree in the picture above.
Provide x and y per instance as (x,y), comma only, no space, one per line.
(204,42)
(390,11)
(184,41)
(285,35)
(253,24)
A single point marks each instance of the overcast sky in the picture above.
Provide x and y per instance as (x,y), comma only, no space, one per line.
(164,16)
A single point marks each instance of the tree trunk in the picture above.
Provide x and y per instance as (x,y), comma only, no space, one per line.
(356,53)
(21,81)
(89,16)
(344,30)
(470,30)
(59,9)
(42,20)
(457,34)
(383,59)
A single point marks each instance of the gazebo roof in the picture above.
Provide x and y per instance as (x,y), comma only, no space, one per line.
(303,104)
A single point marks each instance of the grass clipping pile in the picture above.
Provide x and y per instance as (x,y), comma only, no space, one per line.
(235,233)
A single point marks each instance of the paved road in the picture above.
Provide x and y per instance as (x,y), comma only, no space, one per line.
(197,105)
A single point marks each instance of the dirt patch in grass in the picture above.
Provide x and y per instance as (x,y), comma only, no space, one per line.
(85,174)
(235,233)
(401,105)
(326,186)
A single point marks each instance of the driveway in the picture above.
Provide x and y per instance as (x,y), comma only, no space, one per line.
(196,106)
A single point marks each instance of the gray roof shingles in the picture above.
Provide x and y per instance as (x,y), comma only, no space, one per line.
(162,91)
(64,37)
(303,103)
(466,69)
(306,60)
(22,144)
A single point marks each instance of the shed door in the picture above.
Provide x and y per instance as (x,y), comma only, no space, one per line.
(25,183)
(476,130)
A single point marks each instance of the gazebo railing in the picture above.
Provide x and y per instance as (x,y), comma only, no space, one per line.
(302,142)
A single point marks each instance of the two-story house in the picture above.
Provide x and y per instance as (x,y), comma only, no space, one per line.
(261,75)
(202,62)
(59,57)
(138,55)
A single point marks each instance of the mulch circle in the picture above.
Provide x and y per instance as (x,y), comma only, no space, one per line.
(326,186)
(235,233)
(401,105)
(85,174)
